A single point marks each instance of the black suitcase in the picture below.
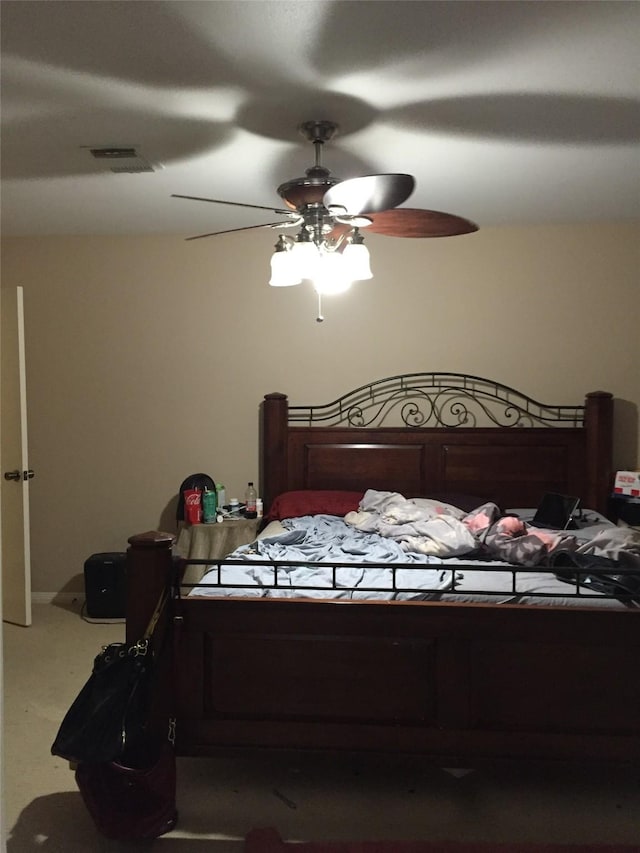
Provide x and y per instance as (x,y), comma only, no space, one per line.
(105,585)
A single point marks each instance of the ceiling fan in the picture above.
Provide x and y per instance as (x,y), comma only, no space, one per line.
(370,201)
(328,248)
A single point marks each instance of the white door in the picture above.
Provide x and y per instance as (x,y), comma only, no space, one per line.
(14,463)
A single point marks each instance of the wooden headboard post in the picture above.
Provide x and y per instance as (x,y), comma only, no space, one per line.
(598,421)
(273,453)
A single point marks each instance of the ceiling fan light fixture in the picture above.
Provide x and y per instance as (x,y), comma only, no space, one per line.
(315,257)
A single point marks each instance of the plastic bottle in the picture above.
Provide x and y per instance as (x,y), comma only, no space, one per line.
(221,495)
(250,497)
(259,508)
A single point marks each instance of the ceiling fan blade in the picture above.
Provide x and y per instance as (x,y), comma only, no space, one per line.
(281,210)
(231,230)
(370,193)
(412,222)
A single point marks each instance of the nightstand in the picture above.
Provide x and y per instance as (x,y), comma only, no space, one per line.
(216,540)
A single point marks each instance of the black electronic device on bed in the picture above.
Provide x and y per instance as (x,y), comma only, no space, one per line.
(556,512)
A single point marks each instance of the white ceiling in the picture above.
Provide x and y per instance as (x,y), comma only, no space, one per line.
(505,112)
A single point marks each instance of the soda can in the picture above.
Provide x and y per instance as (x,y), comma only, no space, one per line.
(209,506)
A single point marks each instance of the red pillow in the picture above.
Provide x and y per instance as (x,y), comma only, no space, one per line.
(313,502)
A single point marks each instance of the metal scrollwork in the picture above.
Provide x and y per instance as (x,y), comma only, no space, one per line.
(461,414)
(355,417)
(412,414)
(437,400)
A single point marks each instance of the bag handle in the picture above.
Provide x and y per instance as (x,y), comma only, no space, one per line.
(141,646)
(156,615)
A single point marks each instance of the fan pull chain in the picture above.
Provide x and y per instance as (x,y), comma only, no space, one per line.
(319,318)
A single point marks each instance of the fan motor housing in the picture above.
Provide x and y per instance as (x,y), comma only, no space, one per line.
(301,192)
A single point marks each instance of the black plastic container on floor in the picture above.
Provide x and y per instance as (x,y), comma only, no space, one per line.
(105,585)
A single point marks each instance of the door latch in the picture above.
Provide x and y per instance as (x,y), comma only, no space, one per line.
(16,475)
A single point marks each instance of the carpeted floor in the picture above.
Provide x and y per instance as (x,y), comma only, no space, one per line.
(269,841)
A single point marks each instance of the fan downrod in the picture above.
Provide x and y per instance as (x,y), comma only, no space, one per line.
(309,190)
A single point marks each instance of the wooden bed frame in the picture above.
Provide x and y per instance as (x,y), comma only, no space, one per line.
(459,684)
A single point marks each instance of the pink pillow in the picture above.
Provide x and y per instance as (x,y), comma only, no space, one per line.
(314,502)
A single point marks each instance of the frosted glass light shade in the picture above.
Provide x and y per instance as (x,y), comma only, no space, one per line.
(357,261)
(331,274)
(305,255)
(284,271)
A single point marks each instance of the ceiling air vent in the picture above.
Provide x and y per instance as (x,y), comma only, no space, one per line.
(122,159)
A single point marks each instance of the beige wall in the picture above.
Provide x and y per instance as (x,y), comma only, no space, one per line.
(147,357)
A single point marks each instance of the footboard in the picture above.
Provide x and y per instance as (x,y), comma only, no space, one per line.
(457,683)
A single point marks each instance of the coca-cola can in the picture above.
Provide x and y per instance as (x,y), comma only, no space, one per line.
(193,506)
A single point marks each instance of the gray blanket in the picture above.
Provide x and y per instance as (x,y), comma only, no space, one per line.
(325,541)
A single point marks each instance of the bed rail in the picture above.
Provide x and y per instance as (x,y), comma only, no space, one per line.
(583,583)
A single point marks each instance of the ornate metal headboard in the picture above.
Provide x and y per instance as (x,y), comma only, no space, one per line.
(427,433)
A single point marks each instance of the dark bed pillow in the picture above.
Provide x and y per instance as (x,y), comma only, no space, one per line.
(313,502)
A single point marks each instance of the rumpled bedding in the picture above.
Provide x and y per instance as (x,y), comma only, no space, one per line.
(326,540)
(437,544)
(429,527)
